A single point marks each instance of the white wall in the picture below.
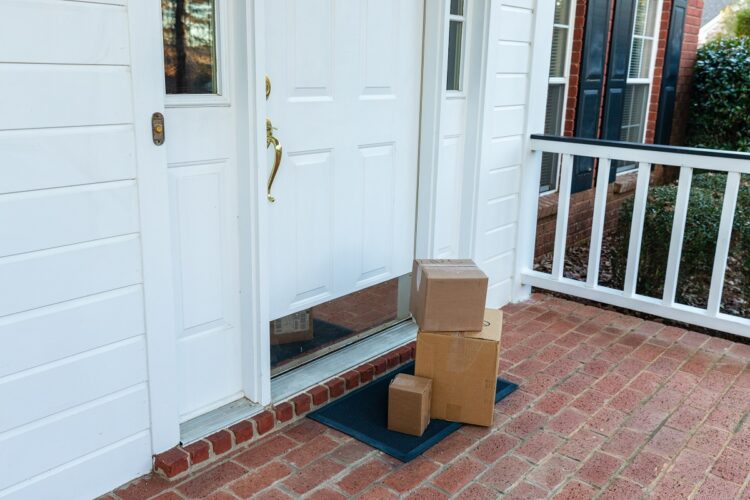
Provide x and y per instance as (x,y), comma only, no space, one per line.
(74,402)
(503,132)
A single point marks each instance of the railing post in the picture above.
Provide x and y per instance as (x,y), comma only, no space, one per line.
(527,216)
(678,232)
(563,212)
(597,222)
(636,228)
(723,242)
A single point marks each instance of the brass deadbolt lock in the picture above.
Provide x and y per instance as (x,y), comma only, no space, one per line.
(157,128)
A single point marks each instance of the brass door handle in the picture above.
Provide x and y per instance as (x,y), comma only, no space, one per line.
(270,139)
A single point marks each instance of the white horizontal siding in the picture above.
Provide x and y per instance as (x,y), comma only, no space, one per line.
(73,375)
(40,159)
(55,332)
(68,30)
(505,110)
(91,474)
(47,277)
(56,95)
(70,215)
(43,445)
(124,364)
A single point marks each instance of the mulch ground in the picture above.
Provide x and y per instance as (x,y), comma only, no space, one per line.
(736,296)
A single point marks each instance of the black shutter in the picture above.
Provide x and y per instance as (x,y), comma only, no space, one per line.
(665,113)
(617,72)
(593,60)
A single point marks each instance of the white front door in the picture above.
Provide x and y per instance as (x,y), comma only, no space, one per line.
(345,99)
(201,119)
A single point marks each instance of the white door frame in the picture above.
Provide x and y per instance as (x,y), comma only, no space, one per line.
(147,70)
(149,97)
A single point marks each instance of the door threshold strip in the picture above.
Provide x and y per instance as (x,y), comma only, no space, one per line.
(222,417)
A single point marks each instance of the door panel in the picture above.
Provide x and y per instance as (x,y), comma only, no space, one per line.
(345,99)
(201,120)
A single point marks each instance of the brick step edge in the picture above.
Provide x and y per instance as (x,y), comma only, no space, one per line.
(182,460)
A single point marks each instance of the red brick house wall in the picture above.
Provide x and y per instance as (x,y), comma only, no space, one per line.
(582,204)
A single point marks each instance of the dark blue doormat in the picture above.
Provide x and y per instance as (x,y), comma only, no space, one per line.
(363,414)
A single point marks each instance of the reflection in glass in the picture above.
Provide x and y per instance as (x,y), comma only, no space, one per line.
(309,334)
(189,28)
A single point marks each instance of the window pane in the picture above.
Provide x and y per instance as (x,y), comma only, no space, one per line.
(641,10)
(554,111)
(457,7)
(562,12)
(559,46)
(454,55)
(189,46)
(634,112)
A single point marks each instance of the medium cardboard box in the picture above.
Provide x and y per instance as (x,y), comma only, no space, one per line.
(409,404)
(463,369)
(448,295)
(297,327)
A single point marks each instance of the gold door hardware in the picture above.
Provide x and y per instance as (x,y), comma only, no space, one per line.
(270,139)
(157,128)
(268,87)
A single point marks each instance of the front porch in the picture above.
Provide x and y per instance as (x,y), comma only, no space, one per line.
(610,405)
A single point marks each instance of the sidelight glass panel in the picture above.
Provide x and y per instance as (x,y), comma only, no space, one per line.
(189,28)
(455,39)
(301,337)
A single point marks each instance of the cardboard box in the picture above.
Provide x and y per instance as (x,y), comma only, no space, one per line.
(463,369)
(409,404)
(448,295)
(297,327)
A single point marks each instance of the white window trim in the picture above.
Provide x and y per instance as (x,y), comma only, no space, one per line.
(652,68)
(222,97)
(461,93)
(565,79)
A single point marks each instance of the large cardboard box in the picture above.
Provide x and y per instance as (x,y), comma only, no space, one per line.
(448,295)
(463,369)
(297,327)
(409,404)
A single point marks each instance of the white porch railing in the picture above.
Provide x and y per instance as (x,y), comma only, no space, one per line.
(645,155)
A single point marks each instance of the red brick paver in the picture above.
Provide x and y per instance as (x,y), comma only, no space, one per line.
(609,406)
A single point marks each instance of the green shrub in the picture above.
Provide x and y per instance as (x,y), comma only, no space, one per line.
(699,244)
(742,23)
(720,99)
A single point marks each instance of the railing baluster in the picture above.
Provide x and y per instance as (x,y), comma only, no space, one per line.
(563,210)
(597,224)
(636,228)
(678,232)
(723,242)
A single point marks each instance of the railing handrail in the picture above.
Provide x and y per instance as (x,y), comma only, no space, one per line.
(724,161)
(661,148)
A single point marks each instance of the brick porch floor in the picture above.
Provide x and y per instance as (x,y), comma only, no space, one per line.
(609,406)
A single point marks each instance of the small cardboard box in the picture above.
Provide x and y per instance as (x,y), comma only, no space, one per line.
(296,327)
(409,404)
(463,369)
(448,295)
